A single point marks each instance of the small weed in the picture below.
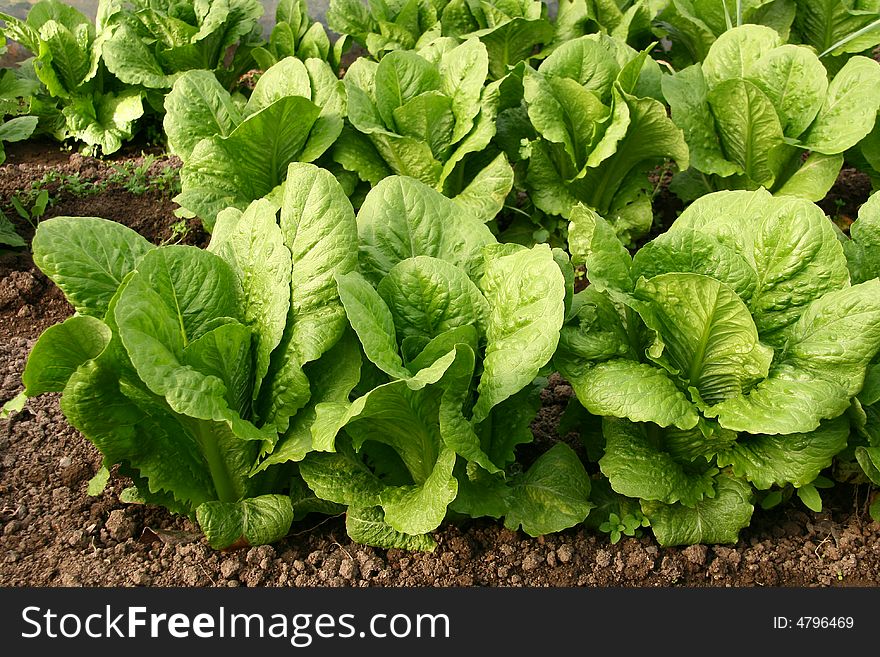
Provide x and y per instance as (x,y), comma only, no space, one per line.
(628,525)
(179,230)
(37,209)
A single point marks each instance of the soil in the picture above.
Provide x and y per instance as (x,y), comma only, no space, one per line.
(55,534)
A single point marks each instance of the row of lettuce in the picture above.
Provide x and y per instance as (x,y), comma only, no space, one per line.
(388,364)
(512,114)
(372,324)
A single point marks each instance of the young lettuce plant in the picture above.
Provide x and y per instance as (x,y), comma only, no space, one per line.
(149,43)
(625,20)
(723,356)
(385,25)
(84,101)
(511,30)
(599,132)
(692,26)
(455,328)
(234,154)
(183,366)
(757,113)
(427,115)
(295,34)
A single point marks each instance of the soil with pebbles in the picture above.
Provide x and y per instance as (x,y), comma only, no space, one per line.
(55,534)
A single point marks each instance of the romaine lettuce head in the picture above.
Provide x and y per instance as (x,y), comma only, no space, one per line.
(233,155)
(150,44)
(734,339)
(189,368)
(426,114)
(456,329)
(756,107)
(600,132)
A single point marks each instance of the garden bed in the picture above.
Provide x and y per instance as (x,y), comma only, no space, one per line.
(54,533)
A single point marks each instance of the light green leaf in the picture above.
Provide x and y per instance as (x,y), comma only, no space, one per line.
(420,509)
(734,53)
(60,351)
(748,127)
(400,77)
(552,495)
(637,465)
(822,367)
(255,251)
(98,483)
(367,525)
(592,241)
(688,97)
(810,497)
(130,59)
(87,258)
(713,520)
(705,334)
(814,179)
(402,218)
(849,110)
(250,163)
(463,72)
(197,107)
(373,322)
(428,296)
(863,250)
(319,228)
(289,77)
(789,242)
(526,293)
(688,250)
(18,129)
(795,81)
(253,521)
(627,389)
(331,379)
(795,459)
(485,194)
(512,42)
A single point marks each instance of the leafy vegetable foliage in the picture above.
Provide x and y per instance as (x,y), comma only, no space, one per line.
(455,328)
(428,115)
(599,132)
(755,107)
(186,366)
(734,340)
(233,155)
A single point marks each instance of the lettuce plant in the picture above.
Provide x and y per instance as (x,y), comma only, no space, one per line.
(383,26)
(184,366)
(723,356)
(692,26)
(598,132)
(149,43)
(838,28)
(511,30)
(295,34)
(454,328)
(84,101)
(234,153)
(427,115)
(757,113)
(626,20)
